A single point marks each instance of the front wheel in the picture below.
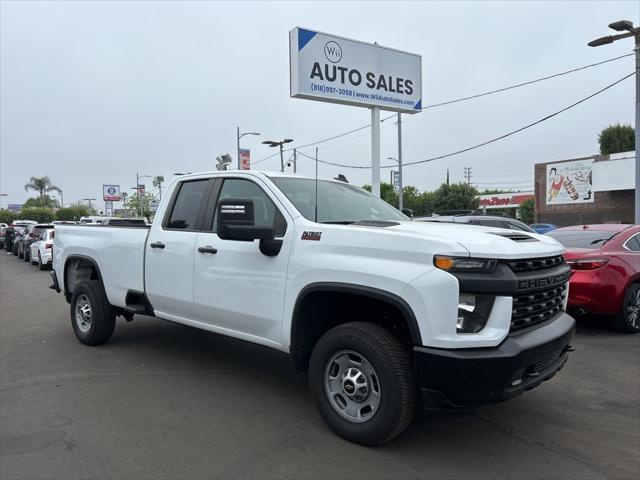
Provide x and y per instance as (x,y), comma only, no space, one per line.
(92,318)
(362,381)
(628,320)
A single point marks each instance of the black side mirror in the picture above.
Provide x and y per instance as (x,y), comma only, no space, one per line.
(236,221)
(408,212)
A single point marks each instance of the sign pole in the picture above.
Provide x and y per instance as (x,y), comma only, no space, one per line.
(375,151)
(400,202)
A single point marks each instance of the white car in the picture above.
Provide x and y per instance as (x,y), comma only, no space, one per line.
(42,248)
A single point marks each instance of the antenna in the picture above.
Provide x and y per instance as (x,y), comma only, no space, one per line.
(316,220)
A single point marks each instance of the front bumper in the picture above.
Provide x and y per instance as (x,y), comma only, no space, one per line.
(451,378)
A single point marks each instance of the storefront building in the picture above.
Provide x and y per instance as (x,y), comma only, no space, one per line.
(597,189)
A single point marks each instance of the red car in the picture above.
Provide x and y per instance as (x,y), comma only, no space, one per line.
(605,265)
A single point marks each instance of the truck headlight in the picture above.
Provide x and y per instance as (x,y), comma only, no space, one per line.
(464,264)
(473,312)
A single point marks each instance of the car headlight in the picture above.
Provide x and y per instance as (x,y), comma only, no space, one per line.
(464,264)
(473,312)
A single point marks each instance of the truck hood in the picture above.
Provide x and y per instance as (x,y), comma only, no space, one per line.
(482,241)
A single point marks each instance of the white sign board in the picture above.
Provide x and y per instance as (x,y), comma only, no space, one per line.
(570,182)
(111,193)
(618,173)
(334,69)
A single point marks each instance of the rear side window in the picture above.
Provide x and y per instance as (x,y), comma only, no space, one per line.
(184,213)
(633,243)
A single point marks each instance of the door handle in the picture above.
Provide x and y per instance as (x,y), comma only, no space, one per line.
(207,249)
(156,245)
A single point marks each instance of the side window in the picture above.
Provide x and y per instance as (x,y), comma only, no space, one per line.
(633,243)
(265,212)
(184,213)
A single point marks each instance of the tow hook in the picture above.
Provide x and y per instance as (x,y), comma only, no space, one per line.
(569,348)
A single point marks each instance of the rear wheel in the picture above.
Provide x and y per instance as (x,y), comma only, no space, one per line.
(362,381)
(32,261)
(41,265)
(20,253)
(92,318)
(628,320)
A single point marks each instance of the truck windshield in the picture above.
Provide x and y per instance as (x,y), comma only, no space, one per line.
(337,202)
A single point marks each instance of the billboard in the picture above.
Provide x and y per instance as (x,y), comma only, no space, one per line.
(570,182)
(334,69)
(245,159)
(111,193)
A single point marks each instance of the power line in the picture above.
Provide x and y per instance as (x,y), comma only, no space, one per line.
(491,92)
(501,137)
(573,70)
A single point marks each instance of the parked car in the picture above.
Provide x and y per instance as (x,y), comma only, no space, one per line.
(381,310)
(19,226)
(484,220)
(30,235)
(605,261)
(3,228)
(543,228)
(41,249)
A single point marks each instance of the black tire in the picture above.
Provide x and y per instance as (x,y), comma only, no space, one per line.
(102,319)
(20,253)
(14,250)
(26,254)
(395,380)
(626,321)
(32,261)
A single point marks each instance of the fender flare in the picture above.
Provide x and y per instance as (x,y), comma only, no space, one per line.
(362,290)
(72,257)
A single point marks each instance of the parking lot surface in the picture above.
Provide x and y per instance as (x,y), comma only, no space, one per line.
(166,401)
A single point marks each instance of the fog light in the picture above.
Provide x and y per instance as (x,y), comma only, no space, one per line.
(473,312)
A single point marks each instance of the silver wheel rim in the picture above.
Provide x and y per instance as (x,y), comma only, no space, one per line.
(83,313)
(352,386)
(633,309)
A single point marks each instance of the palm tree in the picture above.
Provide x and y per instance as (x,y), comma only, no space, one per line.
(43,186)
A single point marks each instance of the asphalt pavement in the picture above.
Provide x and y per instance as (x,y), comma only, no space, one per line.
(162,400)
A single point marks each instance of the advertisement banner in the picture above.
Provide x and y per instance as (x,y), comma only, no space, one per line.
(504,200)
(570,182)
(333,69)
(111,193)
(395,180)
(245,159)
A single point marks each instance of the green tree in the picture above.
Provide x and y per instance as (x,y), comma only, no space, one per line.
(457,196)
(42,202)
(617,138)
(133,205)
(7,216)
(41,215)
(72,213)
(42,185)
(527,210)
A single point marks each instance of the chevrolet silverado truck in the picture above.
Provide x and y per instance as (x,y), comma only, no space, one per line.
(384,312)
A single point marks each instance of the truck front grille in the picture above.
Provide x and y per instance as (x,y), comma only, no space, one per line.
(532,308)
(534,264)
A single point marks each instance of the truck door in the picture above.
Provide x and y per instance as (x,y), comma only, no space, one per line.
(170,250)
(236,287)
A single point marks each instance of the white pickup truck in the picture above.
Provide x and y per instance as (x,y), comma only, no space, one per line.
(384,312)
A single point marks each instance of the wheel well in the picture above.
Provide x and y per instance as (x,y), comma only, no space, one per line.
(318,311)
(76,270)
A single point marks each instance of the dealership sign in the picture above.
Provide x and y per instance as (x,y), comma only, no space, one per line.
(570,182)
(111,193)
(334,69)
(504,200)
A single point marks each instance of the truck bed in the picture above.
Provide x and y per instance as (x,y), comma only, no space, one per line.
(117,250)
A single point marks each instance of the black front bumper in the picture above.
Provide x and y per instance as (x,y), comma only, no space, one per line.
(451,378)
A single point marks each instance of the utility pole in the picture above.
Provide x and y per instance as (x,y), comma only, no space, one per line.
(375,151)
(400,192)
(627,26)
(295,161)
(272,143)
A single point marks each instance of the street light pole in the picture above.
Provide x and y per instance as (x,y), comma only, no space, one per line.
(272,143)
(238,137)
(627,26)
